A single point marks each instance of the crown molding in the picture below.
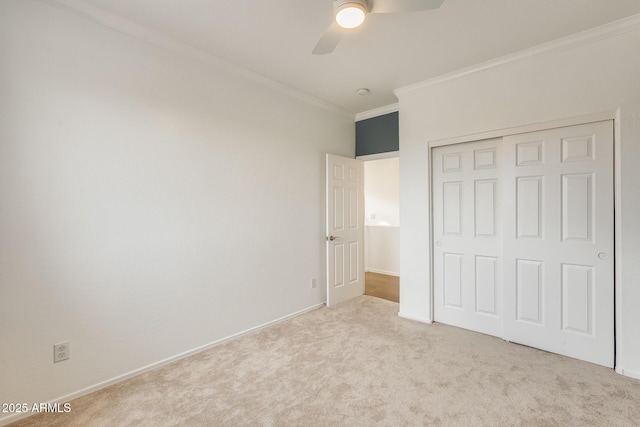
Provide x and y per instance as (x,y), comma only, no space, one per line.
(156,38)
(586,37)
(381,111)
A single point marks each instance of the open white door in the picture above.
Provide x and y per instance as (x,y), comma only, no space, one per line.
(345,229)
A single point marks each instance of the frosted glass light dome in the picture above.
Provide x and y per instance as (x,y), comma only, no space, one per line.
(350,15)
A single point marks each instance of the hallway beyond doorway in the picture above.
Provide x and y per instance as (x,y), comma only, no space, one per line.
(382,286)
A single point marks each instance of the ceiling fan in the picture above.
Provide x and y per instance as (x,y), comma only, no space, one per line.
(350,14)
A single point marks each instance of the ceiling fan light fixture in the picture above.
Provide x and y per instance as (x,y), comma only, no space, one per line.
(350,15)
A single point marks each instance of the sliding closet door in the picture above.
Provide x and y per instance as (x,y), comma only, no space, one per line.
(467,236)
(558,241)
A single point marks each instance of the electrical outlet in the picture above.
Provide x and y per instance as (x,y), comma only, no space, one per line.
(314,283)
(61,351)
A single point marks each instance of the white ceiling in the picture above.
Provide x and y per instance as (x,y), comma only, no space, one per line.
(274,38)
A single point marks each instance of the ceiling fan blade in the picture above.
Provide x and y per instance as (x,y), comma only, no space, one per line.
(398,6)
(329,40)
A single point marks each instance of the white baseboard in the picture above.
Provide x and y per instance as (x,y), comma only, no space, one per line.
(627,373)
(71,396)
(416,318)
(388,273)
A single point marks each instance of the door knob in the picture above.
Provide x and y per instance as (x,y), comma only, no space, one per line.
(438,243)
(603,256)
(332,238)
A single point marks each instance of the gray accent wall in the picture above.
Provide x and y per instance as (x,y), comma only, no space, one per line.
(377,135)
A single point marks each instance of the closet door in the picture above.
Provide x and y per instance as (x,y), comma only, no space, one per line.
(467,236)
(558,241)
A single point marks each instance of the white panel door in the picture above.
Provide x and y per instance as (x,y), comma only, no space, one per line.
(345,229)
(467,236)
(558,241)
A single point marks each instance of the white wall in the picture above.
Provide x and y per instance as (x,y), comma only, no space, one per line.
(382,215)
(382,191)
(149,204)
(599,76)
(382,254)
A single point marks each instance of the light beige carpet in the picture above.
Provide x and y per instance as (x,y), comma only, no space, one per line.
(359,364)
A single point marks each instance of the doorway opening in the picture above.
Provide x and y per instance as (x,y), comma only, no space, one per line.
(382,228)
